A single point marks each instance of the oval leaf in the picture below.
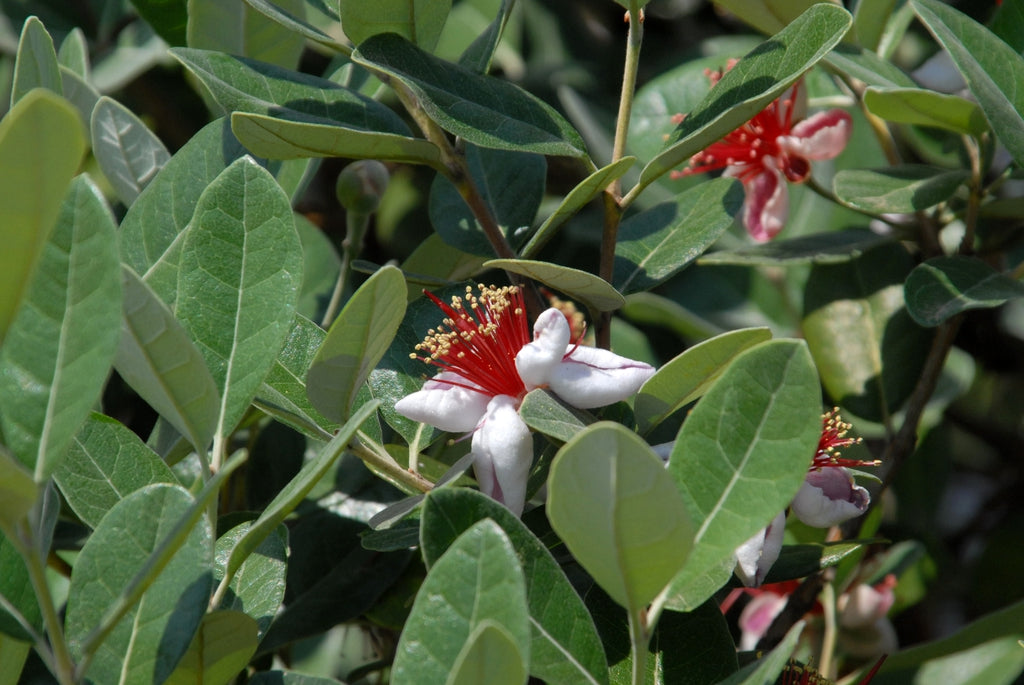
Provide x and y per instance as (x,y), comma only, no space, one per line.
(296,24)
(35,65)
(926,108)
(591,290)
(419,21)
(945,286)
(357,340)
(221,648)
(236,28)
(18,492)
(899,190)
(129,154)
(258,585)
(544,413)
(617,510)
(819,248)
(491,656)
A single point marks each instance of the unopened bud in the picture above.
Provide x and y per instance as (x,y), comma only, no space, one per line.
(361,185)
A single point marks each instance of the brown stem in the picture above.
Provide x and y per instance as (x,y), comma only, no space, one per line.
(612,218)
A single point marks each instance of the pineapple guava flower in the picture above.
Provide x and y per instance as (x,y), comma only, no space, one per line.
(488,363)
(768,151)
(829,495)
(754,558)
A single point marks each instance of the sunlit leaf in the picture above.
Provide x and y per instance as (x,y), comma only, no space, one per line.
(234,27)
(419,21)
(258,585)
(926,108)
(220,650)
(129,154)
(582,286)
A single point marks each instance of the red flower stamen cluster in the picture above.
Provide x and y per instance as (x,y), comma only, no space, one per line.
(833,438)
(479,339)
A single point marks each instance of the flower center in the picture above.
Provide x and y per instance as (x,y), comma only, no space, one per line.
(833,438)
(479,339)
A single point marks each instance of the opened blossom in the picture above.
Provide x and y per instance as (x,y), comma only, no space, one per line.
(488,362)
(769,151)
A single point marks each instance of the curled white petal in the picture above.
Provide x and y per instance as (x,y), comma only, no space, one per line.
(754,558)
(591,377)
(444,405)
(503,452)
(538,359)
(828,497)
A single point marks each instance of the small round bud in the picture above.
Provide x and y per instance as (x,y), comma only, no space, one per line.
(361,185)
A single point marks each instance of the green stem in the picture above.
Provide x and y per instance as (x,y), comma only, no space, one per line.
(973,197)
(381,461)
(828,640)
(639,639)
(351,246)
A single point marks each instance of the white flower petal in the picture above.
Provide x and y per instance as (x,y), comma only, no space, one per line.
(536,361)
(444,405)
(503,450)
(754,558)
(766,204)
(757,617)
(591,377)
(821,136)
(828,497)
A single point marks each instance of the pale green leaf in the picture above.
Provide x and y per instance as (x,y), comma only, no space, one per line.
(581,286)
(129,154)
(18,493)
(491,656)
(419,21)
(35,64)
(544,413)
(74,53)
(768,16)
(898,189)
(234,27)
(295,23)
(220,650)
(258,585)
(926,108)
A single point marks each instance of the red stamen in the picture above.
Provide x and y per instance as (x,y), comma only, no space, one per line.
(833,438)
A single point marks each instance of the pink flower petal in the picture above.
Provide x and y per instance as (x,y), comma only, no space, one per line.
(757,617)
(821,136)
(766,204)
(503,451)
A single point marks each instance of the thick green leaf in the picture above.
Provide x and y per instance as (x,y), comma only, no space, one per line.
(234,27)
(241,269)
(581,286)
(616,508)
(817,248)
(152,230)
(480,53)
(106,463)
(158,360)
(565,647)
(926,108)
(433,264)
(588,189)
(419,21)
(283,139)
(57,355)
(945,286)
(868,67)
(484,110)
(743,453)
(129,154)
(18,492)
(899,189)
(478,579)
(147,642)
(800,561)
(35,65)
(760,77)
(767,16)
(544,413)
(80,93)
(511,183)
(767,668)
(869,20)
(258,586)
(654,245)
(867,348)
(169,18)
(490,655)
(41,146)
(245,85)
(220,650)
(357,340)
(685,378)
(16,587)
(296,490)
(1008,23)
(993,70)
(296,24)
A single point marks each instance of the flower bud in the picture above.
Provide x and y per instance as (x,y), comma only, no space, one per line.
(361,185)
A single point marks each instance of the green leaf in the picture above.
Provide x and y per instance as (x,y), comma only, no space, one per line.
(746,89)
(220,650)
(18,493)
(16,587)
(419,21)
(41,146)
(298,25)
(993,70)
(654,245)
(685,378)
(288,678)
(147,642)
(169,18)
(158,360)
(565,647)
(478,579)
(766,669)
(616,508)
(511,183)
(588,189)
(241,269)
(743,453)
(321,266)
(591,290)
(868,67)
(899,189)
(60,346)
(867,348)
(80,93)
(544,413)
(106,463)
(480,53)
(357,340)
(800,561)
(35,65)
(1008,23)
(767,16)
(945,286)
(483,110)
(869,21)
(433,263)
(258,585)
(818,248)
(296,490)
(926,108)
(282,139)
(490,655)
(129,154)
(74,53)
(232,26)
(153,228)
